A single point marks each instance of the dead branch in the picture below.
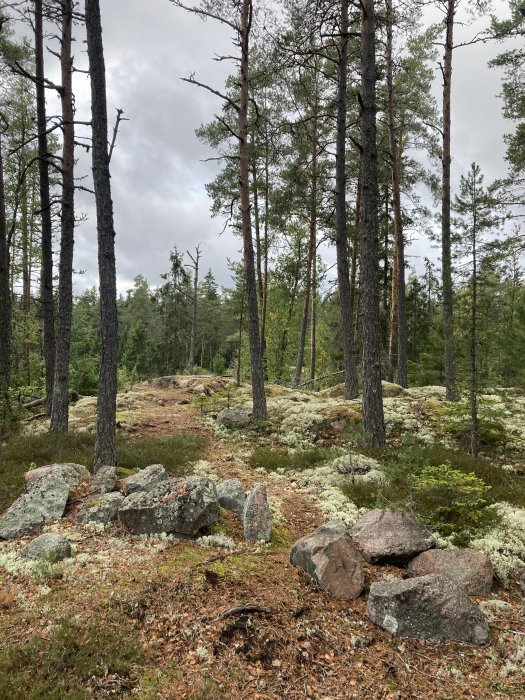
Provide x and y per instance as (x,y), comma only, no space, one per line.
(244,609)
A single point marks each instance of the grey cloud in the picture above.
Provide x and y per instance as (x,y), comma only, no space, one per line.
(157,173)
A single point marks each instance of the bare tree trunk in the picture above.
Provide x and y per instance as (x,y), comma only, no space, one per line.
(239,351)
(343,271)
(312,249)
(257,224)
(446,253)
(5,292)
(283,343)
(309,266)
(266,244)
(353,276)
(195,303)
(46,278)
(26,275)
(259,396)
(105,439)
(398,341)
(373,419)
(313,313)
(60,407)
(474,423)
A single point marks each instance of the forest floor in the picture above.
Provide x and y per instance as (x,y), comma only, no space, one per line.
(153,617)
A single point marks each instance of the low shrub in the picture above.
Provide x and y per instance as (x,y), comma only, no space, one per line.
(452,501)
(400,465)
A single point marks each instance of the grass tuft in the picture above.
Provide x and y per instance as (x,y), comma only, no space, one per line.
(24,452)
(272,459)
(69,663)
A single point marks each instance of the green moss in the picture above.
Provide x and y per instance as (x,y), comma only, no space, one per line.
(491,431)
(235,567)
(280,538)
(64,665)
(156,682)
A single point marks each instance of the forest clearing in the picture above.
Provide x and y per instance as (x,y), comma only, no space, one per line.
(148,615)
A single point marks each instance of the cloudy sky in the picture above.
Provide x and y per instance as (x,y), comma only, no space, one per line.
(158,173)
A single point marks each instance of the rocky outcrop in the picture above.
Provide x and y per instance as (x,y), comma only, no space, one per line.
(330,559)
(204,385)
(257,516)
(387,536)
(104,480)
(144,480)
(179,506)
(100,509)
(235,417)
(231,495)
(427,607)
(49,546)
(72,474)
(467,567)
(44,502)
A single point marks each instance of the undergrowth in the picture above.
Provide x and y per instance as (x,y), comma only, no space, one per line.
(448,490)
(24,452)
(69,663)
(273,459)
(401,463)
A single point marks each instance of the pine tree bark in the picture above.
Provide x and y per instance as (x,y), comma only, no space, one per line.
(373,419)
(446,247)
(5,291)
(265,245)
(313,314)
(60,406)
(283,342)
(474,422)
(239,342)
(26,275)
(257,372)
(195,304)
(341,233)
(46,277)
(105,440)
(398,340)
(353,271)
(312,246)
(257,223)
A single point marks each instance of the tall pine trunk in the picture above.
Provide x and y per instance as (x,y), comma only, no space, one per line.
(474,422)
(313,314)
(398,340)
(259,396)
(266,243)
(373,419)
(446,252)
(312,245)
(195,304)
(46,277)
(105,448)
(343,270)
(5,292)
(60,407)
